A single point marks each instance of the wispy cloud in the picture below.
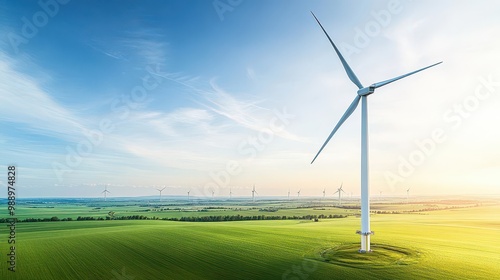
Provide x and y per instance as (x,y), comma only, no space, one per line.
(106,50)
(23,100)
(246,113)
(145,46)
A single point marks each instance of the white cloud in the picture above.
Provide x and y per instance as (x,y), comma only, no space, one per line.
(25,102)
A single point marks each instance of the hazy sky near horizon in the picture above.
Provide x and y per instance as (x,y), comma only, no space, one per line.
(213,95)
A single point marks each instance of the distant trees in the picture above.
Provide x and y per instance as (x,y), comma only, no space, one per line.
(85,218)
(111,215)
(271,209)
(238,217)
(225,218)
(31,220)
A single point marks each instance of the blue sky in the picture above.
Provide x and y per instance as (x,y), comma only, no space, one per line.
(212,95)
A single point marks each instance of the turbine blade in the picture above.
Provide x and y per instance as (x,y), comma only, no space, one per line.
(335,192)
(346,115)
(347,68)
(383,83)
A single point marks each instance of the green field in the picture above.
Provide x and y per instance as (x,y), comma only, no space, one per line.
(460,243)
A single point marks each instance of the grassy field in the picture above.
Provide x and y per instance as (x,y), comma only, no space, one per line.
(445,244)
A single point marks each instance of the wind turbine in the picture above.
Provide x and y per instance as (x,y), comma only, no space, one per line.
(105,191)
(253,193)
(213,192)
(324,193)
(362,95)
(288,194)
(407,195)
(230,193)
(188,194)
(298,194)
(340,191)
(160,190)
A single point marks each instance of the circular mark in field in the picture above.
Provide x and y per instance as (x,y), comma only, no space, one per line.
(382,255)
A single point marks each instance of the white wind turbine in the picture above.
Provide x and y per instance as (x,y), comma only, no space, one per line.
(188,194)
(324,193)
(298,194)
(160,190)
(288,194)
(253,193)
(407,195)
(105,191)
(230,193)
(340,191)
(362,95)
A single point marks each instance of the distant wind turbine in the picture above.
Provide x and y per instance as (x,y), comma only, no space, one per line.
(298,194)
(230,193)
(288,194)
(253,193)
(324,193)
(188,194)
(340,191)
(213,193)
(407,195)
(160,190)
(105,191)
(362,95)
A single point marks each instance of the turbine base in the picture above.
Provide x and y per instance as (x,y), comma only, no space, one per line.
(365,233)
(365,241)
(364,251)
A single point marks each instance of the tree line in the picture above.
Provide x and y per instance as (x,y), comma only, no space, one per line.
(224,218)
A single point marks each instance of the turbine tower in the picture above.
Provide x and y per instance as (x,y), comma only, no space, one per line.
(105,191)
(160,190)
(324,193)
(298,194)
(288,194)
(340,191)
(213,192)
(362,95)
(188,194)
(230,193)
(407,195)
(253,193)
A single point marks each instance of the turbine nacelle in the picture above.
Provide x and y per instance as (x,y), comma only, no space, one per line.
(367,90)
